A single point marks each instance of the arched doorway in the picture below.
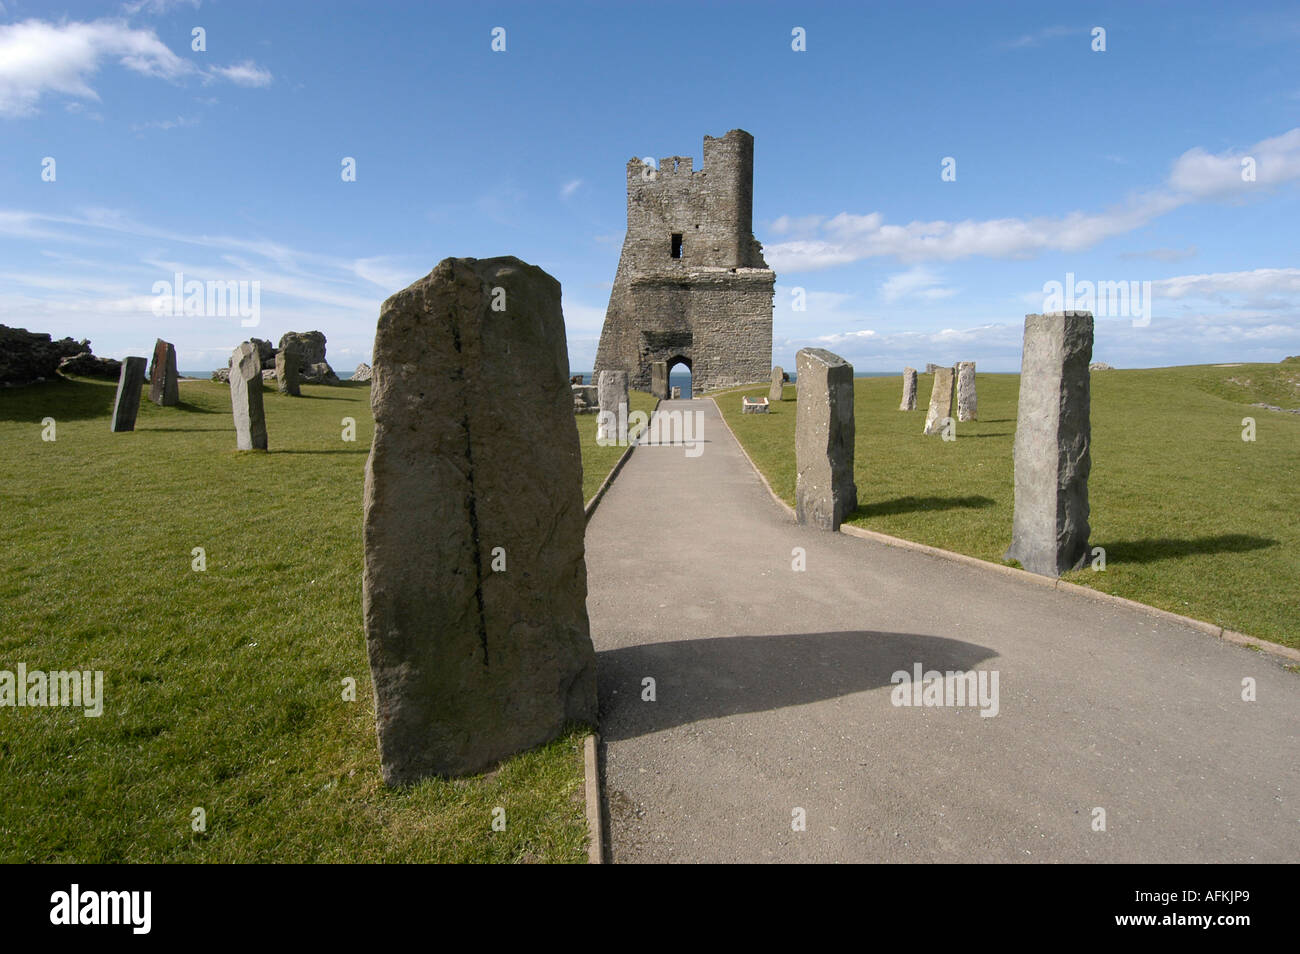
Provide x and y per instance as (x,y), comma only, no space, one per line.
(677,379)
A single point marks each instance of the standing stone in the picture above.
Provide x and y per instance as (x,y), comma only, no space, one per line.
(1053,444)
(164,389)
(659,379)
(611,424)
(286,370)
(940,401)
(246,398)
(127,403)
(823,439)
(966,410)
(677,393)
(777,391)
(474,585)
(931,367)
(909,390)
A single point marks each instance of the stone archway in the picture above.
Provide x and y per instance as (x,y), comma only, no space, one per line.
(681,359)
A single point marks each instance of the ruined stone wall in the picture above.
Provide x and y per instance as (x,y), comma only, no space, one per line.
(711,304)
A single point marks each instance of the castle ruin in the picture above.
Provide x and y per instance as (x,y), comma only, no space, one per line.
(692,287)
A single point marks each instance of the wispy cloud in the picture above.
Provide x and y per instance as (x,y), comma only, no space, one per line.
(1038,37)
(1195,176)
(569,188)
(918,282)
(38,59)
(180,122)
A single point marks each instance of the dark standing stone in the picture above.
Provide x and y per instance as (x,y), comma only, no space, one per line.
(163,387)
(940,401)
(286,370)
(909,390)
(246,398)
(776,391)
(659,379)
(1053,444)
(471,665)
(127,404)
(823,439)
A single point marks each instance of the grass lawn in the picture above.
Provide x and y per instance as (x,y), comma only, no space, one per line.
(598,461)
(1192,518)
(223,688)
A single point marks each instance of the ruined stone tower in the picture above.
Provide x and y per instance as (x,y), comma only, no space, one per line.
(692,287)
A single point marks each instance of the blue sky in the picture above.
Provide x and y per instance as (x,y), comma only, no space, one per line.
(225,164)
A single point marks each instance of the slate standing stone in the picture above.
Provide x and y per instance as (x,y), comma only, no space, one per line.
(127,403)
(777,390)
(909,390)
(825,493)
(246,398)
(659,379)
(1053,450)
(475,447)
(287,361)
(164,388)
(940,401)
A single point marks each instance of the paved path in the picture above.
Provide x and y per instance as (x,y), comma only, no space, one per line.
(773,693)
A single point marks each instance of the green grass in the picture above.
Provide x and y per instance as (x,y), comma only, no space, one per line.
(598,461)
(224,687)
(1192,518)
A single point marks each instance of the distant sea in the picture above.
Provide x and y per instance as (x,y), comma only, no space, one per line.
(681,379)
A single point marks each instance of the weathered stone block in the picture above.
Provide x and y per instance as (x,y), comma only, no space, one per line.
(777,391)
(825,493)
(476,652)
(749,405)
(127,403)
(659,379)
(611,426)
(164,389)
(966,403)
(287,362)
(246,398)
(677,393)
(1053,444)
(940,401)
(586,398)
(909,390)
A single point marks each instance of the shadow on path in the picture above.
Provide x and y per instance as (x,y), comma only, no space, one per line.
(697,679)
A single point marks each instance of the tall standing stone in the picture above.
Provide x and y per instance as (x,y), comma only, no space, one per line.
(611,424)
(909,390)
(246,398)
(164,388)
(823,439)
(474,585)
(966,404)
(940,401)
(659,379)
(127,403)
(777,391)
(287,362)
(1053,444)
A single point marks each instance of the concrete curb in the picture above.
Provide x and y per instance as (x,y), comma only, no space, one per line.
(1210,629)
(590,507)
(591,791)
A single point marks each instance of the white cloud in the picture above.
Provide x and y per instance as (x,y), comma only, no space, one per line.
(246,73)
(1036,38)
(569,188)
(1260,281)
(39,59)
(847,237)
(180,122)
(918,282)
